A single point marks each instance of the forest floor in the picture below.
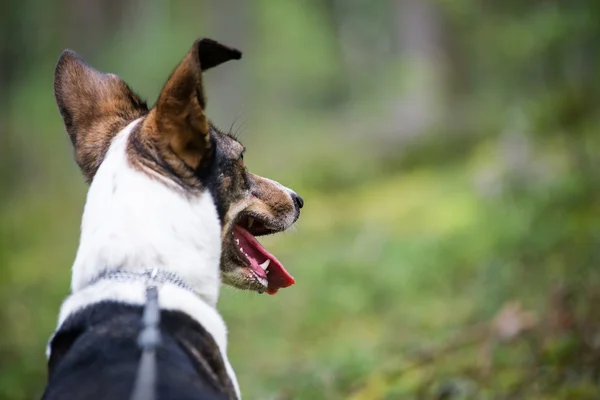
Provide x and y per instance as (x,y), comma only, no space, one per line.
(408,286)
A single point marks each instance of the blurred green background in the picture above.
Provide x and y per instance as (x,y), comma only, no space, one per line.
(447,151)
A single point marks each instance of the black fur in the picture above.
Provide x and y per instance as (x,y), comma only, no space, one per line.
(223,166)
(95,356)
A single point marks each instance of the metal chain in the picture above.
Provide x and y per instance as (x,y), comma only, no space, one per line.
(153,276)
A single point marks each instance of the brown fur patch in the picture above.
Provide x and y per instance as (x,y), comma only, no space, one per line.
(178,120)
(148,153)
(272,199)
(175,139)
(95,107)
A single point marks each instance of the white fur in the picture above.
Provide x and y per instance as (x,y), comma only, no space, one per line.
(132,222)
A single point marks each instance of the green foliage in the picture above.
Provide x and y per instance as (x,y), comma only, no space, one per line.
(407,247)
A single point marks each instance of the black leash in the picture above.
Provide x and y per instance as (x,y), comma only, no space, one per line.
(148,340)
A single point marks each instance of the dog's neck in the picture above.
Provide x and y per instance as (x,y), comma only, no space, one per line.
(133,222)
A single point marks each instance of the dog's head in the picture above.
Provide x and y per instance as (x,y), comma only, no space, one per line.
(175,143)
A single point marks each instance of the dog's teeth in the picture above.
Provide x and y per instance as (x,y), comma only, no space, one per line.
(237,241)
(265,265)
(242,250)
(250,222)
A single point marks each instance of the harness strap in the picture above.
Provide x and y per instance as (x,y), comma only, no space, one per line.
(148,340)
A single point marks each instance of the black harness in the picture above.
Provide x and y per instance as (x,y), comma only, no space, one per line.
(149,338)
(201,347)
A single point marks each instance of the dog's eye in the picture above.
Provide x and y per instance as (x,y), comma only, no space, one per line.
(242,154)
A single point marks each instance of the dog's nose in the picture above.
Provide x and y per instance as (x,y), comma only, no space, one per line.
(298,200)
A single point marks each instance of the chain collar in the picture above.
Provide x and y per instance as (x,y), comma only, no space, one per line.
(152,277)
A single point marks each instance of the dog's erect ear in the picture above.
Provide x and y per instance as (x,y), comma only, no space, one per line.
(179,118)
(94,106)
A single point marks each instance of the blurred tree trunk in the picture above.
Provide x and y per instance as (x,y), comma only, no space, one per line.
(231,24)
(362,32)
(418,40)
(12,58)
(405,33)
(90,22)
(336,14)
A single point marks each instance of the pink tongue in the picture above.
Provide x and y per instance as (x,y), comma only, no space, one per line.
(276,275)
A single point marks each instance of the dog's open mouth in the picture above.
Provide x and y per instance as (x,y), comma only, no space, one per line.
(267,270)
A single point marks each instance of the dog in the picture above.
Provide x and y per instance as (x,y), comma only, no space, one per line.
(170,204)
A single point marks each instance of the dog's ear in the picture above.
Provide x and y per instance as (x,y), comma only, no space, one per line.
(179,118)
(94,106)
